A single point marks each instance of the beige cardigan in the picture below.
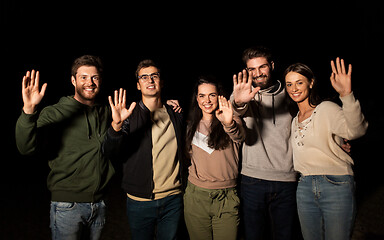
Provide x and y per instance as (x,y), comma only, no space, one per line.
(316,141)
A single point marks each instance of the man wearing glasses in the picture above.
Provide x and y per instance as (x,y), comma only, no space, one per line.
(147,138)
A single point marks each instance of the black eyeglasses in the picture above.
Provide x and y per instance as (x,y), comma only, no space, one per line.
(153,76)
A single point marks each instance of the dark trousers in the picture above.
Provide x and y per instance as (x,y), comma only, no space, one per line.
(270,203)
(158,218)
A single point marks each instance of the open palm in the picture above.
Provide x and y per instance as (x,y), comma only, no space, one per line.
(31,93)
(242,88)
(225,112)
(340,79)
(119,110)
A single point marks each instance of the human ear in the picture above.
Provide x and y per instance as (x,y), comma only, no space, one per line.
(312,82)
(73,80)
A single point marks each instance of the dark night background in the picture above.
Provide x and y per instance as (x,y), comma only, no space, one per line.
(187,39)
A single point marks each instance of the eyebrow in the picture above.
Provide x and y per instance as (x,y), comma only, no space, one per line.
(85,74)
(287,81)
(207,93)
(262,65)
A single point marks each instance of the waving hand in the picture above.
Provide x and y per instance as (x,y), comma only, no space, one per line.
(119,110)
(225,111)
(242,88)
(340,79)
(32,96)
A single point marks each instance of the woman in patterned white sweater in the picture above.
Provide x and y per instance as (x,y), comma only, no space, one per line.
(325,194)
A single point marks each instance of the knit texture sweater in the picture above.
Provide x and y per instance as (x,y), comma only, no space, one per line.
(317,141)
(69,135)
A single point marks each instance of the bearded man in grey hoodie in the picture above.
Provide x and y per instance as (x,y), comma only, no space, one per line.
(268,180)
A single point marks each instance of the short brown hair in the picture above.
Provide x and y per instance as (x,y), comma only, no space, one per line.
(258,51)
(87,60)
(144,64)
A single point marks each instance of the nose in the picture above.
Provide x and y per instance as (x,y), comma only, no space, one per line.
(294,88)
(256,72)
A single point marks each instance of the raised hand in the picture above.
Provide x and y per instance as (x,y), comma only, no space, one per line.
(242,88)
(225,111)
(340,79)
(119,110)
(32,96)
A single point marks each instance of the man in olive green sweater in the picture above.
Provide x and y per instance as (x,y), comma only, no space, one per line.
(70,133)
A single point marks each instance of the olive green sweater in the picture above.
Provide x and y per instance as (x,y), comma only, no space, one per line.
(69,134)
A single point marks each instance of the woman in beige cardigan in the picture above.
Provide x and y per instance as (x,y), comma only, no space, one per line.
(325,193)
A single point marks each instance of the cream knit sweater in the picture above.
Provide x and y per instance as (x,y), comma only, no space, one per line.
(316,141)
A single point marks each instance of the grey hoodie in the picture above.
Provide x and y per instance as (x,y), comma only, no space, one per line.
(267,151)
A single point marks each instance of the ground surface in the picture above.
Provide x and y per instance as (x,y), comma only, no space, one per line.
(25,213)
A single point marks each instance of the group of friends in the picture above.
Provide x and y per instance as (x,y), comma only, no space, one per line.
(278,140)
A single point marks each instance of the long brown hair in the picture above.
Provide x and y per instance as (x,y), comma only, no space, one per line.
(218,138)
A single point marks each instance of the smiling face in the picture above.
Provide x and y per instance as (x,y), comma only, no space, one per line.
(261,70)
(298,86)
(207,99)
(149,85)
(87,84)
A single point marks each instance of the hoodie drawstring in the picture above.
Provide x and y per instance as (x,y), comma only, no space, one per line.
(96,122)
(260,99)
(88,125)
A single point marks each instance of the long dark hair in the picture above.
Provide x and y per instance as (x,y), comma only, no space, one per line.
(218,138)
(314,98)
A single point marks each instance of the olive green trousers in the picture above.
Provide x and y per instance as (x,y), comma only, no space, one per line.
(211,213)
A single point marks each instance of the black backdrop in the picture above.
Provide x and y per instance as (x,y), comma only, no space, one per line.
(187,39)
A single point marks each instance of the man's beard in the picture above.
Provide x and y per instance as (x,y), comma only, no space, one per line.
(262,84)
(87,97)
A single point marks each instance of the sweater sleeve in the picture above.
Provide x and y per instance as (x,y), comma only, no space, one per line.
(29,128)
(26,133)
(349,122)
(236,130)
(239,111)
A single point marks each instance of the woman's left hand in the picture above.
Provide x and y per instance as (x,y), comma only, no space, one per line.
(225,111)
(340,79)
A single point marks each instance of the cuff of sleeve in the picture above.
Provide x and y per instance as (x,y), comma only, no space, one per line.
(348,99)
(24,117)
(113,134)
(238,107)
(230,127)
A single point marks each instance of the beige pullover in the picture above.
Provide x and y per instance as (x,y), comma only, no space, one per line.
(215,169)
